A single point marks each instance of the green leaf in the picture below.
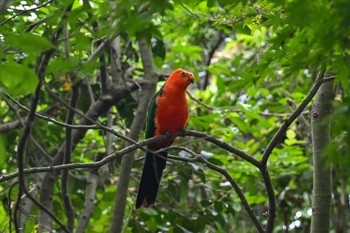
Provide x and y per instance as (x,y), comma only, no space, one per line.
(3,144)
(249,113)
(28,43)
(290,134)
(190,51)
(17,78)
(61,65)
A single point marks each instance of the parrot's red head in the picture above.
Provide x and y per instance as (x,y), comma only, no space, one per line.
(180,78)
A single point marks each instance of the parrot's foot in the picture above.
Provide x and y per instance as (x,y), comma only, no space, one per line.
(168,135)
(183,133)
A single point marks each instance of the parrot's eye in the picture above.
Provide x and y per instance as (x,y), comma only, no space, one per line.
(182,73)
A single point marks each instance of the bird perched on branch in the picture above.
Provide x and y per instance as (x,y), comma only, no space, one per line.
(167,113)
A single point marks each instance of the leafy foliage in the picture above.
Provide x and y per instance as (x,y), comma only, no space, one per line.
(254,61)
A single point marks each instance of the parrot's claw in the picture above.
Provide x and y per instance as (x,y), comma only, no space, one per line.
(183,133)
(167,134)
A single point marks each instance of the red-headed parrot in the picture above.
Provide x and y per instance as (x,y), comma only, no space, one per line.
(167,113)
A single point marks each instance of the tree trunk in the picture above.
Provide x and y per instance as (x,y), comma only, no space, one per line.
(322,188)
(135,130)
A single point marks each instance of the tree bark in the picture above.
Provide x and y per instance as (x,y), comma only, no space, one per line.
(89,202)
(322,187)
(135,130)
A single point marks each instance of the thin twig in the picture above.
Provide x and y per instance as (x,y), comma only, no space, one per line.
(9,203)
(44,117)
(67,159)
(25,11)
(224,145)
(42,20)
(90,120)
(189,11)
(199,102)
(21,121)
(214,45)
(231,109)
(100,48)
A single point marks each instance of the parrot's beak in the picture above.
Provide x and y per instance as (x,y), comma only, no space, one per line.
(190,78)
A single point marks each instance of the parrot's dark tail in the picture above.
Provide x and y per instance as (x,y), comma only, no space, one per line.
(151,175)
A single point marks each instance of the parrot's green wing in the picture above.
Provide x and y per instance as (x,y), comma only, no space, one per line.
(154,166)
(151,114)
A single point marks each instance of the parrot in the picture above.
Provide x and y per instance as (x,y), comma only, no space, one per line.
(167,112)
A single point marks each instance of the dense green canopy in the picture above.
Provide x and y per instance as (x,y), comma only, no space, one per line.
(88,70)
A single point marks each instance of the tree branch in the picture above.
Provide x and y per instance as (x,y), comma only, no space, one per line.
(116,67)
(20,161)
(17,123)
(137,145)
(89,202)
(88,86)
(116,94)
(272,144)
(21,122)
(271,197)
(67,159)
(43,62)
(25,11)
(281,131)
(224,145)
(100,107)
(107,159)
(216,42)
(26,132)
(199,158)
